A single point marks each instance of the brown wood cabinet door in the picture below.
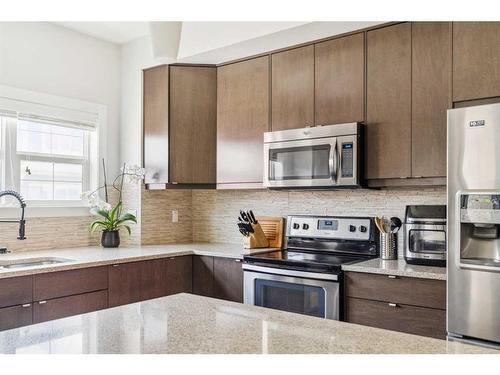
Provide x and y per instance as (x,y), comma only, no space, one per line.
(228,279)
(179,275)
(476,60)
(339,80)
(431,96)
(155,123)
(16,316)
(203,275)
(242,119)
(16,291)
(68,306)
(410,319)
(193,124)
(136,281)
(65,283)
(292,88)
(388,123)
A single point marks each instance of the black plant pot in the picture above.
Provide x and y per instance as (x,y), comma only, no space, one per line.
(110,238)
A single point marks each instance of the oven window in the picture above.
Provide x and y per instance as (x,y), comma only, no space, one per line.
(427,241)
(298,298)
(299,163)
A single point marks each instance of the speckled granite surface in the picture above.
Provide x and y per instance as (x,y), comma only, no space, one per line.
(186,323)
(397,267)
(97,256)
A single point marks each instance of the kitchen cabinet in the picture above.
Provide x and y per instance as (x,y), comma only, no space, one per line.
(242,119)
(16,316)
(179,275)
(16,291)
(388,116)
(203,275)
(70,305)
(339,80)
(218,277)
(431,97)
(476,60)
(292,88)
(136,281)
(228,279)
(193,124)
(404,304)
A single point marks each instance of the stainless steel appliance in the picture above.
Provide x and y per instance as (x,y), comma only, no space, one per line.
(317,157)
(425,235)
(474,223)
(306,277)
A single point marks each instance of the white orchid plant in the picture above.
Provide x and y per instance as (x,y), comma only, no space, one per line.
(112,218)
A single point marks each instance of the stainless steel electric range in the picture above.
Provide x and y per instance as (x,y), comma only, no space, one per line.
(306,277)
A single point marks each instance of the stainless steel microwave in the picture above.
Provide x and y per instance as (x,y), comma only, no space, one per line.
(329,156)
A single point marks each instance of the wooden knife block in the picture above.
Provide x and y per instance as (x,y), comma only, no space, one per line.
(257,239)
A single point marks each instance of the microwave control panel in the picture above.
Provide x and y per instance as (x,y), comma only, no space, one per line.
(347,159)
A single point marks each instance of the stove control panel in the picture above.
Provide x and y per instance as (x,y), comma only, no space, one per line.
(332,227)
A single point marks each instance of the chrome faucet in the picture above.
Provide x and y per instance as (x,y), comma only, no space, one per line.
(21,221)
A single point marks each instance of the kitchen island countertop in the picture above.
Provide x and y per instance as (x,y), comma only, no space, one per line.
(185,323)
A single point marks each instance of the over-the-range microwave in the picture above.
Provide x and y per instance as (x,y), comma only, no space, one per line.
(320,157)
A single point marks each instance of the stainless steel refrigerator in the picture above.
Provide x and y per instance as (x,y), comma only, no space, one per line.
(473,311)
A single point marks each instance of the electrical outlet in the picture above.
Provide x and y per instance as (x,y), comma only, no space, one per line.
(175,216)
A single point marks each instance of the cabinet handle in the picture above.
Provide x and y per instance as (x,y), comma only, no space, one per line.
(172,258)
(26,305)
(392,276)
(237,260)
(115,265)
(392,304)
(42,302)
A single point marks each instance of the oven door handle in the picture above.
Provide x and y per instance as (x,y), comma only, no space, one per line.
(291,273)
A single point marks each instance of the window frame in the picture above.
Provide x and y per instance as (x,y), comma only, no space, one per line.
(94,149)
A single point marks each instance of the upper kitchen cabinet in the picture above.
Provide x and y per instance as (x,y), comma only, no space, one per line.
(476,60)
(339,80)
(388,123)
(431,96)
(293,88)
(193,124)
(180,125)
(242,119)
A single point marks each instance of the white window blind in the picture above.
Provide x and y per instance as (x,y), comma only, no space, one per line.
(49,160)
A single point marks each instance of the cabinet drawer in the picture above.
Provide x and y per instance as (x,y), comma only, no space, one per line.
(15,316)
(404,290)
(403,318)
(66,283)
(16,291)
(67,306)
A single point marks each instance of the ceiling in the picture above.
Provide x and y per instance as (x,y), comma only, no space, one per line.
(115,32)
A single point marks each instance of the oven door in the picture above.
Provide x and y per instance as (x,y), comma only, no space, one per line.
(293,291)
(304,163)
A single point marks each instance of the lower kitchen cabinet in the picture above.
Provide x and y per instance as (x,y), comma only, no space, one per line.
(71,305)
(179,275)
(218,277)
(405,304)
(16,316)
(16,291)
(228,279)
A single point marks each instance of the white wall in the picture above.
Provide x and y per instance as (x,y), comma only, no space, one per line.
(47,58)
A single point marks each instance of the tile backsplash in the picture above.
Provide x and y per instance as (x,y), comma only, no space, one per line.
(214,213)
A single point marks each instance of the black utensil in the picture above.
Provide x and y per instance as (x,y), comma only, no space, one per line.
(252,217)
(395,224)
(244,216)
(244,232)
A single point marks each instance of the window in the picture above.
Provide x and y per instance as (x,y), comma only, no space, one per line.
(49,161)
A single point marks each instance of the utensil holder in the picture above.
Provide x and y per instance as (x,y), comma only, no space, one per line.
(257,239)
(388,246)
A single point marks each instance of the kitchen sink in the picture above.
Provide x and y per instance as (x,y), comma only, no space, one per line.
(31,262)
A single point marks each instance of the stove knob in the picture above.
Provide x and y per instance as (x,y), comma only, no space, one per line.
(305,226)
(296,226)
(362,228)
(352,228)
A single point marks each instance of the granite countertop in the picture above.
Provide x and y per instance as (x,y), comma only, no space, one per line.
(185,323)
(398,268)
(97,256)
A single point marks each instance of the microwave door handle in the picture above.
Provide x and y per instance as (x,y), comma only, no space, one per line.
(333,161)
